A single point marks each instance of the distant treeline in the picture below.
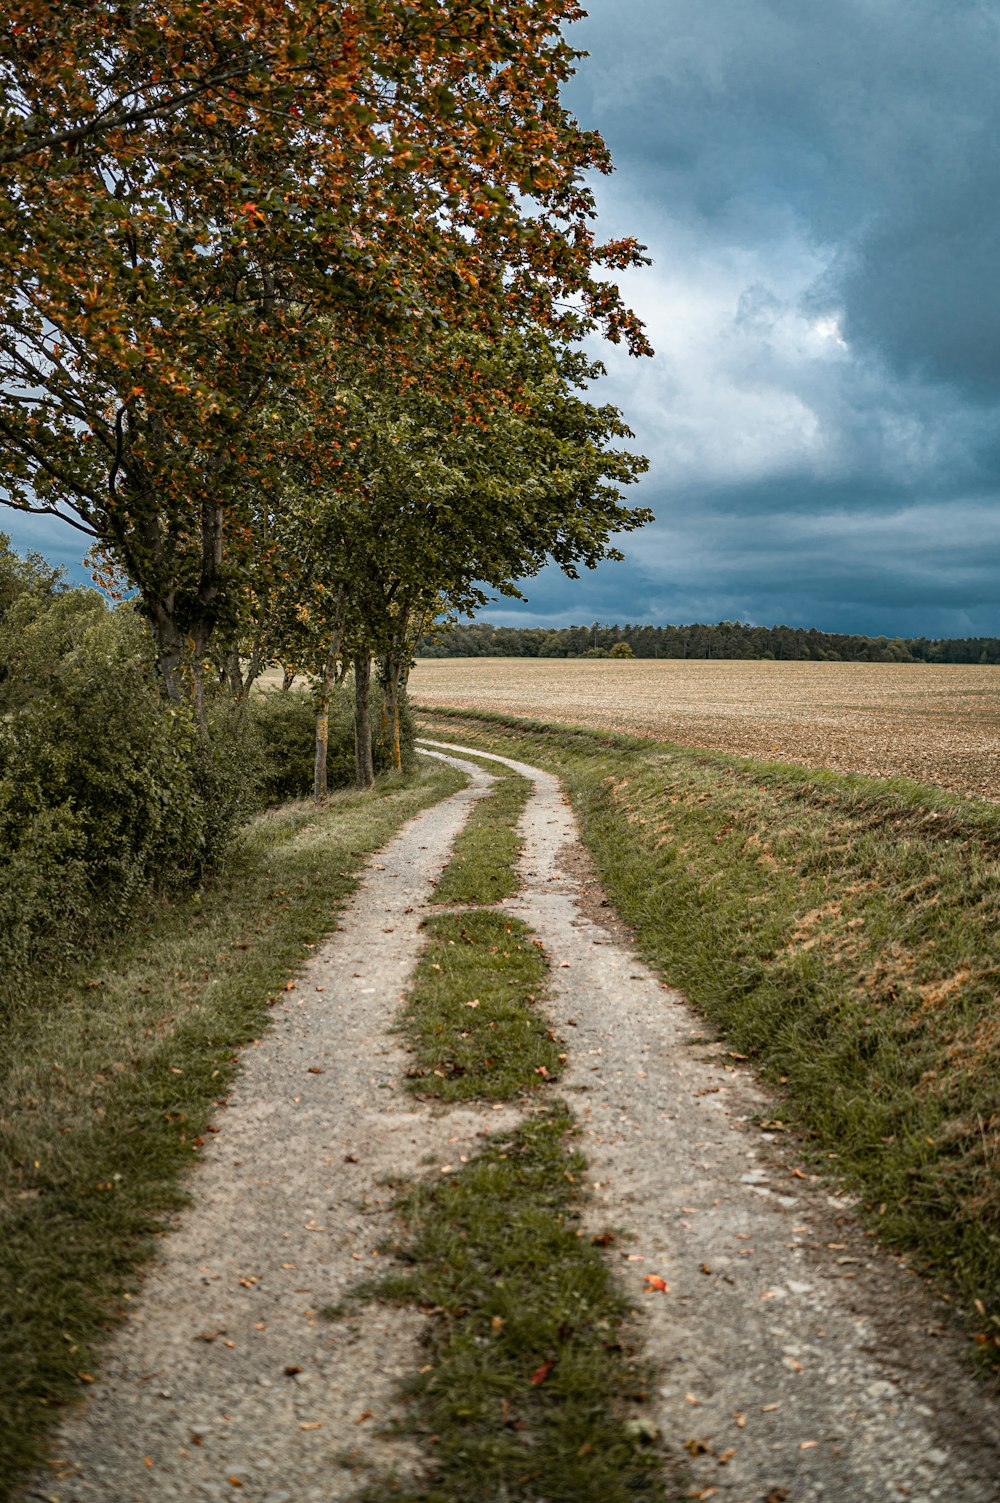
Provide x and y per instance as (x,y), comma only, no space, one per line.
(729,639)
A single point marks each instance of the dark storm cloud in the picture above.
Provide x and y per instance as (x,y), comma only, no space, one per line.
(869,128)
(820,190)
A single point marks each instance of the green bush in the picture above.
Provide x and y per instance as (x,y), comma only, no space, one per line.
(284,721)
(106,794)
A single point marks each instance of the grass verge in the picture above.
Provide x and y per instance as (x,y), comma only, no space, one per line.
(109,1079)
(528,1381)
(469,1018)
(482,868)
(842,931)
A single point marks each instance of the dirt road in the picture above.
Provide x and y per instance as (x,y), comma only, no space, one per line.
(796,1362)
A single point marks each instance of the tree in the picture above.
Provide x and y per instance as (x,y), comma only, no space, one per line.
(621,650)
(203,207)
(446,498)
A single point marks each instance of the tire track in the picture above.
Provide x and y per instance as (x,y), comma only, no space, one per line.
(792,1350)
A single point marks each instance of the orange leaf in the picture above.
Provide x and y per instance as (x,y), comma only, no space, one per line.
(656,1285)
(541,1373)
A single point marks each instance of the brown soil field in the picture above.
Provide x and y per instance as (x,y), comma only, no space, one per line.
(937,724)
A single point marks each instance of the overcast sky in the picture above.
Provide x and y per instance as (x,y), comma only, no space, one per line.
(819,188)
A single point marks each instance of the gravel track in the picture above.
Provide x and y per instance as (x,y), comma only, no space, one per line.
(226,1343)
(842,1365)
(825,1350)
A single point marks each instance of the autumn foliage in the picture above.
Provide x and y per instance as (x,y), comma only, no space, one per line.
(211,212)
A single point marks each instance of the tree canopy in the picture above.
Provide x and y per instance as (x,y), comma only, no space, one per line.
(255,253)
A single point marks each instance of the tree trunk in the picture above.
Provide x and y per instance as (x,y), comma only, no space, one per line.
(364,764)
(288,677)
(169,650)
(232,676)
(391,676)
(327,680)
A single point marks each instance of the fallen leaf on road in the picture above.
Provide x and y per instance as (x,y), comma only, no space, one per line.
(364,1415)
(698,1447)
(147,1461)
(807,1445)
(310,1424)
(727,1455)
(656,1285)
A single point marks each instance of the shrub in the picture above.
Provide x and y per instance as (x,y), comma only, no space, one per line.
(106,794)
(285,722)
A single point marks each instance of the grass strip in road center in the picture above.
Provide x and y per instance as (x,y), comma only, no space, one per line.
(841,931)
(109,1078)
(529,1379)
(482,868)
(470,1018)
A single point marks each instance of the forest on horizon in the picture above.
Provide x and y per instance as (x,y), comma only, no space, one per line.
(727,639)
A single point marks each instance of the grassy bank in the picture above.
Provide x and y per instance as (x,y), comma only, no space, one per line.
(482,866)
(109,1079)
(844,932)
(470,1019)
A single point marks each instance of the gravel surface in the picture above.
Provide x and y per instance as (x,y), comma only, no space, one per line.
(805,1363)
(779,1310)
(226,1377)
(938,723)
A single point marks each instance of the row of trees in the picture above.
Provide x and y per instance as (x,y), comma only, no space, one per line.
(291,298)
(728,639)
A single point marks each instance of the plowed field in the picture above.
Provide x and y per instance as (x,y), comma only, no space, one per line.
(936,724)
